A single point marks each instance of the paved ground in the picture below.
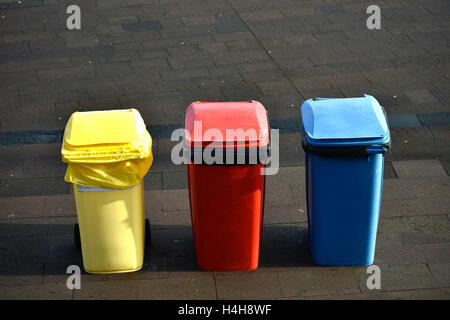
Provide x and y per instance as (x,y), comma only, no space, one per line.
(158,56)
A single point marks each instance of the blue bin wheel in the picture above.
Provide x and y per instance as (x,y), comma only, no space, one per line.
(76,236)
(148,237)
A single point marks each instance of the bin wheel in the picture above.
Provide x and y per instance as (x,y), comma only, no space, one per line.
(76,236)
(148,237)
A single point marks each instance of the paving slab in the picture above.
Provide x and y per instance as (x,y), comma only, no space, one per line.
(420,294)
(177,288)
(432,252)
(440,273)
(106,290)
(418,168)
(20,274)
(248,285)
(406,277)
(415,207)
(52,291)
(307,281)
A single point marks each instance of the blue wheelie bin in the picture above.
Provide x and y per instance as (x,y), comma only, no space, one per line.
(345,142)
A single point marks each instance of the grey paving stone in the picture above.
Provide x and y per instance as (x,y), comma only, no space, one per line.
(420,96)
(105,290)
(61,225)
(59,206)
(56,273)
(24,249)
(278,240)
(278,193)
(175,199)
(178,218)
(231,27)
(432,252)
(62,250)
(289,175)
(192,21)
(389,250)
(261,15)
(416,143)
(389,172)
(24,227)
(197,73)
(446,164)
(276,87)
(33,186)
(141,26)
(248,285)
(153,201)
(440,273)
(434,119)
(415,207)
(420,294)
(77,72)
(263,75)
(20,274)
(237,93)
(188,31)
(397,189)
(418,168)
(173,241)
(325,93)
(174,180)
(308,281)
(122,20)
(284,214)
(249,56)
(403,121)
(50,291)
(417,229)
(441,133)
(177,288)
(431,187)
(21,207)
(198,60)
(404,277)
(152,181)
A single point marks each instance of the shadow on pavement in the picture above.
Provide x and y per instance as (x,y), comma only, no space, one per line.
(32,250)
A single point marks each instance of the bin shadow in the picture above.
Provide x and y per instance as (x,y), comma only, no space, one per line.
(285,246)
(173,249)
(29,249)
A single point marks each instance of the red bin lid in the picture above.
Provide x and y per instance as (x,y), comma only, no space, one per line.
(242,124)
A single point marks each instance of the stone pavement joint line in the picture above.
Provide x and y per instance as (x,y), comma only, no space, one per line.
(284,125)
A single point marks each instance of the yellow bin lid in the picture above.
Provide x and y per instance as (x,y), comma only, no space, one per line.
(104,127)
(111,135)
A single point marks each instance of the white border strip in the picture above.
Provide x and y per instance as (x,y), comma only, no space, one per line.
(93,189)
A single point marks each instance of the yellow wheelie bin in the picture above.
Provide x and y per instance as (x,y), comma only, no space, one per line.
(108,154)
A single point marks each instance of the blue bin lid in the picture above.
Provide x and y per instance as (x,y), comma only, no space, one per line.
(344,122)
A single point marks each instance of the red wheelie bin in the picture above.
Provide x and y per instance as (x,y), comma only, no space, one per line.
(227,145)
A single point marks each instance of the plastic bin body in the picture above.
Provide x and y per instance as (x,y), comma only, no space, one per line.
(227,200)
(108,154)
(227,207)
(343,196)
(344,178)
(111,228)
